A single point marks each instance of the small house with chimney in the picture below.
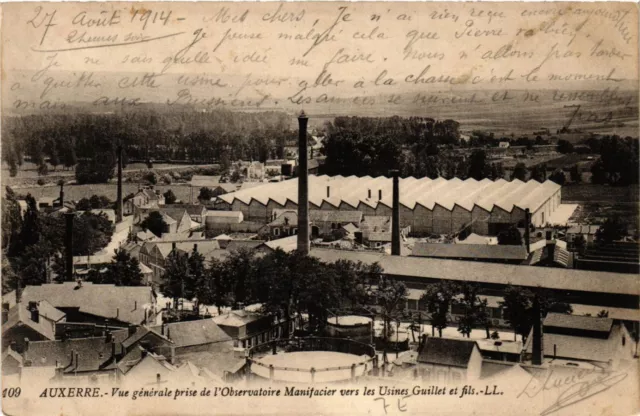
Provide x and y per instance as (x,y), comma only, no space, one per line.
(249,329)
(98,303)
(284,224)
(577,339)
(145,198)
(154,254)
(33,321)
(449,360)
(94,358)
(195,336)
(325,222)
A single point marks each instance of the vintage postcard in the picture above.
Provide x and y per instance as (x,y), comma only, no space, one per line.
(296,208)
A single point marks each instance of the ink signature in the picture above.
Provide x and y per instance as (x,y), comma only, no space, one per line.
(580,386)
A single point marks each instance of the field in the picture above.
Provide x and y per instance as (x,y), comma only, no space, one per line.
(76,192)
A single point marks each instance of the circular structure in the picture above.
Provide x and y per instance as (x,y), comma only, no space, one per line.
(358,328)
(311,366)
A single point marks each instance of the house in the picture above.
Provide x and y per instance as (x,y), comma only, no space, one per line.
(249,329)
(287,244)
(499,350)
(145,198)
(154,254)
(324,222)
(145,235)
(236,245)
(449,360)
(375,231)
(33,321)
(283,225)
(182,218)
(588,232)
(222,220)
(89,302)
(197,212)
(576,339)
(511,254)
(196,336)
(93,357)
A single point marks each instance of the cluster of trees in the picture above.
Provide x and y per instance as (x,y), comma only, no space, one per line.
(90,140)
(464,299)
(286,284)
(154,223)
(124,270)
(94,202)
(371,146)
(618,163)
(31,242)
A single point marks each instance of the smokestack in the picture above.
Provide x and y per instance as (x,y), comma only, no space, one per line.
(395,219)
(527,225)
(62,194)
(119,207)
(303,186)
(69,216)
(538,352)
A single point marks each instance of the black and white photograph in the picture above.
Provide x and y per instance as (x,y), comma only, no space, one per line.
(328,208)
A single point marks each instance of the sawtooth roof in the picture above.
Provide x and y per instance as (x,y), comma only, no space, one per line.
(427,192)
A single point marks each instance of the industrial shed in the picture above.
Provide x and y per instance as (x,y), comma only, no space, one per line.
(437,206)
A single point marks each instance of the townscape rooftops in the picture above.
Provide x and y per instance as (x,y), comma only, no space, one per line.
(93,354)
(20,314)
(469,251)
(237,318)
(189,333)
(590,323)
(457,270)
(235,245)
(447,351)
(287,244)
(427,192)
(121,303)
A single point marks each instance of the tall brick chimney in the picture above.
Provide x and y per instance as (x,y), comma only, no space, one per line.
(303,186)
(537,350)
(119,206)
(527,226)
(395,219)
(68,244)
(61,194)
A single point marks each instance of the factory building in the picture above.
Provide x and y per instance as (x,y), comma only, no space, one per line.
(437,206)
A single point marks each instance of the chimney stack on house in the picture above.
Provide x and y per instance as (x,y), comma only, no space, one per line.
(119,204)
(537,350)
(395,219)
(303,186)
(35,314)
(68,243)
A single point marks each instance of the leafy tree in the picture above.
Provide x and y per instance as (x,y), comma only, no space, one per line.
(11,223)
(99,202)
(238,272)
(124,270)
(150,177)
(83,205)
(438,299)
(565,146)
(519,172)
(474,309)
(576,176)
(31,229)
(611,230)
(392,297)
(197,276)
(510,237)
(598,173)
(169,197)
(54,159)
(175,276)
(206,194)
(70,159)
(154,223)
(579,243)
(98,170)
(558,177)
(539,172)
(478,165)
(516,308)
(43,169)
